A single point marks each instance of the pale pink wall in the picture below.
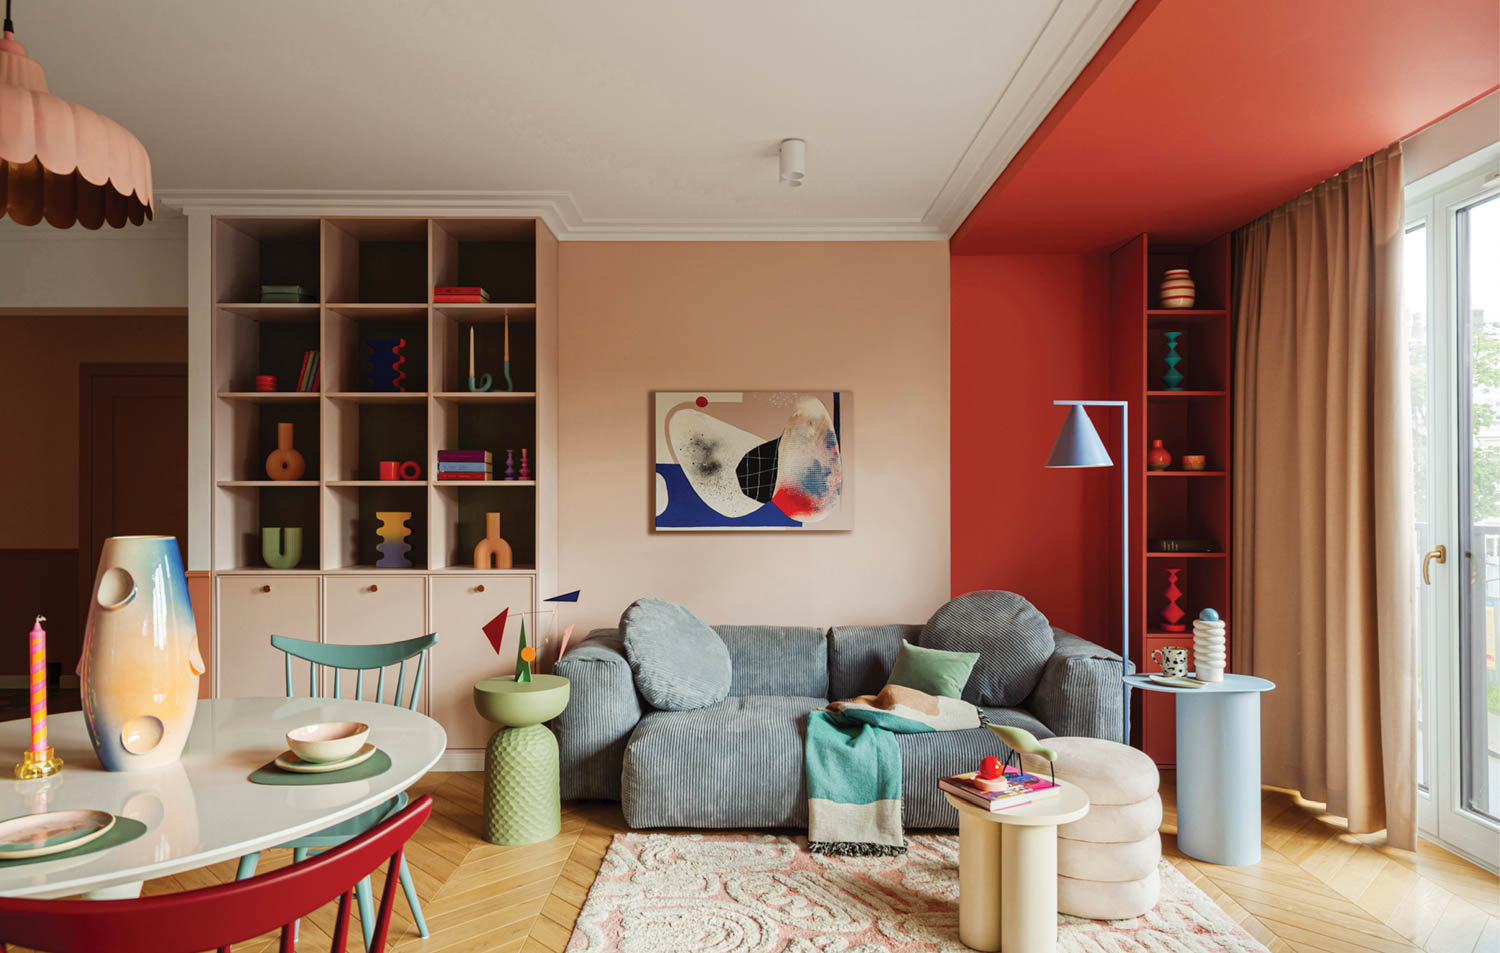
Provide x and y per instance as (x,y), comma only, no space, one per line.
(871,318)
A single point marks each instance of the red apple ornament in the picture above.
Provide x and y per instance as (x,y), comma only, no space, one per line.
(991,775)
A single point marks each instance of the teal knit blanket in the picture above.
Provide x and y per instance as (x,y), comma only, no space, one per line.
(853,766)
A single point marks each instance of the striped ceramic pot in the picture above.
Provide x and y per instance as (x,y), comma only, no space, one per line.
(1177,289)
(140,666)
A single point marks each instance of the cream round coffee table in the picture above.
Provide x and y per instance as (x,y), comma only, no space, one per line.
(1007,872)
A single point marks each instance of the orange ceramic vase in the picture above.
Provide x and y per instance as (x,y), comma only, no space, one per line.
(284,463)
(492,548)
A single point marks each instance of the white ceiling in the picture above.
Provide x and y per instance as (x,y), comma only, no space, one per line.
(644,119)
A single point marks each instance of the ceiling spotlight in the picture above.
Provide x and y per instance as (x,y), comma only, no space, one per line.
(793,162)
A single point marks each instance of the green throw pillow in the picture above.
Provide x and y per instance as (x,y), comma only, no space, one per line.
(933,671)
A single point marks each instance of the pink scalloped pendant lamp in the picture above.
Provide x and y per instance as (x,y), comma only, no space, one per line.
(60,161)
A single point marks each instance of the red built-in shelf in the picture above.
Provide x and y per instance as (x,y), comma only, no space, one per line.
(1184,393)
(1185,473)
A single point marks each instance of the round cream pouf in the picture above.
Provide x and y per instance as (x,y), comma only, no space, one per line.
(1101,900)
(1107,862)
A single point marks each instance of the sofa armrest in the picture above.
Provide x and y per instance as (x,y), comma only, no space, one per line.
(1080,693)
(602,711)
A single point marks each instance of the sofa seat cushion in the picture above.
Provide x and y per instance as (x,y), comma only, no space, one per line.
(929,756)
(1012,637)
(737,763)
(679,663)
(1108,772)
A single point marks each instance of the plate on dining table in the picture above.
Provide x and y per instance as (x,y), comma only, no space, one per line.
(290,762)
(37,835)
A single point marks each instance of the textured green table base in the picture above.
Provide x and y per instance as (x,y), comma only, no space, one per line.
(522,800)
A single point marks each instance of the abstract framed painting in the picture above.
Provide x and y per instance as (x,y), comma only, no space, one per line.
(762,461)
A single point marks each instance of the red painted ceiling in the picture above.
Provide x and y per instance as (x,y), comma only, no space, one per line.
(1196,117)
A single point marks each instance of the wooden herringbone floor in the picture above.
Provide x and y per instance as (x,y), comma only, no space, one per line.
(1317,888)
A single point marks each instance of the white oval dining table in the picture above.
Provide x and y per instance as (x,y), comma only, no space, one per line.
(203,809)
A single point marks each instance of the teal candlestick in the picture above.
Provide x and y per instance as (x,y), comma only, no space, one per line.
(1173,377)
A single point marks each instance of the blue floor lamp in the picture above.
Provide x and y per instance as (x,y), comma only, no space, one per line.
(1077,446)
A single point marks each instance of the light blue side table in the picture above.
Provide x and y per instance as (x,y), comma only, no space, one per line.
(1218,767)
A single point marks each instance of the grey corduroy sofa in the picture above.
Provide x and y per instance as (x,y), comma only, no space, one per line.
(739,763)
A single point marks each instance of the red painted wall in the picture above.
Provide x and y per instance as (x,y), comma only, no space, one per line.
(1025,330)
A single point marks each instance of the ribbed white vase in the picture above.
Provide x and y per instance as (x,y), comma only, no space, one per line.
(1209,654)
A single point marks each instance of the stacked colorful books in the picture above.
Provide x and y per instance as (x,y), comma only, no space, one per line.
(285,294)
(310,374)
(460,294)
(1021,788)
(464,465)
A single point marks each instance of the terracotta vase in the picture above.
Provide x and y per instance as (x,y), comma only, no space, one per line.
(492,547)
(1177,289)
(1157,458)
(140,666)
(284,463)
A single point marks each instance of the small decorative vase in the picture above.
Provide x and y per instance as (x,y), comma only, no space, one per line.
(492,548)
(1157,458)
(140,664)
(1177,289)
(1173,377)
(525,465)
(284,463)
(281,546)
(393,546)
(510,464)
(1172,614)
(1209,654)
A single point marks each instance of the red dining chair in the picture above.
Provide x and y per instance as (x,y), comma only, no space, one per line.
(216,917)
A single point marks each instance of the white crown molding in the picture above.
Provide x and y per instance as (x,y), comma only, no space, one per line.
(1076,31)
(1073,34)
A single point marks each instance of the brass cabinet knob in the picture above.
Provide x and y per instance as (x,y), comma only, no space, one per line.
(266,588)
(479,588)
(374,588)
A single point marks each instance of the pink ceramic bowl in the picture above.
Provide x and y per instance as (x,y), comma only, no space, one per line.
(1192,461)
(328,740)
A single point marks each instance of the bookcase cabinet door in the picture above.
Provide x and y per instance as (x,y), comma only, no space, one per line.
(251,609)
(365,610)
(460,608)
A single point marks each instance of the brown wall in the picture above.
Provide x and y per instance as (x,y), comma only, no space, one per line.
(871,318)
(39,484)
(39,429)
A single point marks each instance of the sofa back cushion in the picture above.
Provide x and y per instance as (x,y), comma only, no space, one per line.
(679,663)
(776,660)
(860,657)
(1011,635)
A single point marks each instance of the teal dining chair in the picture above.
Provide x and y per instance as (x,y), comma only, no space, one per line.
(355,660)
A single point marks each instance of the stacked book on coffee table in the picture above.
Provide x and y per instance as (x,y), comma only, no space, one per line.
(1018,788)
(464,465)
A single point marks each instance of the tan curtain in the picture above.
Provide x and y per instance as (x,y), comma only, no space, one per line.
(1323,556)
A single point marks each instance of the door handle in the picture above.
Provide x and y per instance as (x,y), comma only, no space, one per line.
(1440,554)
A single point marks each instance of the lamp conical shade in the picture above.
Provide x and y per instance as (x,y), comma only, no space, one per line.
(1078,443)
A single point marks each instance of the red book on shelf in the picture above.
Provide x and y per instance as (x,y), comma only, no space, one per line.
(459,299)
(464,476)
(302,372)
(463,456)
(460,290)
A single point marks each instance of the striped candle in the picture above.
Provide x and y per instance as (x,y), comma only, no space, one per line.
(39,688)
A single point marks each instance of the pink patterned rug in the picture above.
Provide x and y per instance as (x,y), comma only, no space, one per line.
(755,893)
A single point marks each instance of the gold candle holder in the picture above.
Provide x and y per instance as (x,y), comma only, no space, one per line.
(35,765)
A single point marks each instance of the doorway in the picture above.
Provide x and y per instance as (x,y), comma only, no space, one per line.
(132,459)
(1451,292)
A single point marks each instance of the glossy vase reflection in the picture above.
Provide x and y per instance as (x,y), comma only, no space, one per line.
(140,666)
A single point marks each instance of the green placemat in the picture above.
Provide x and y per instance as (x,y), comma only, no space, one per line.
(125,830)
(376,763)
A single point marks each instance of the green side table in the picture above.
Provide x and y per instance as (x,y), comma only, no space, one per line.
(522,803)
